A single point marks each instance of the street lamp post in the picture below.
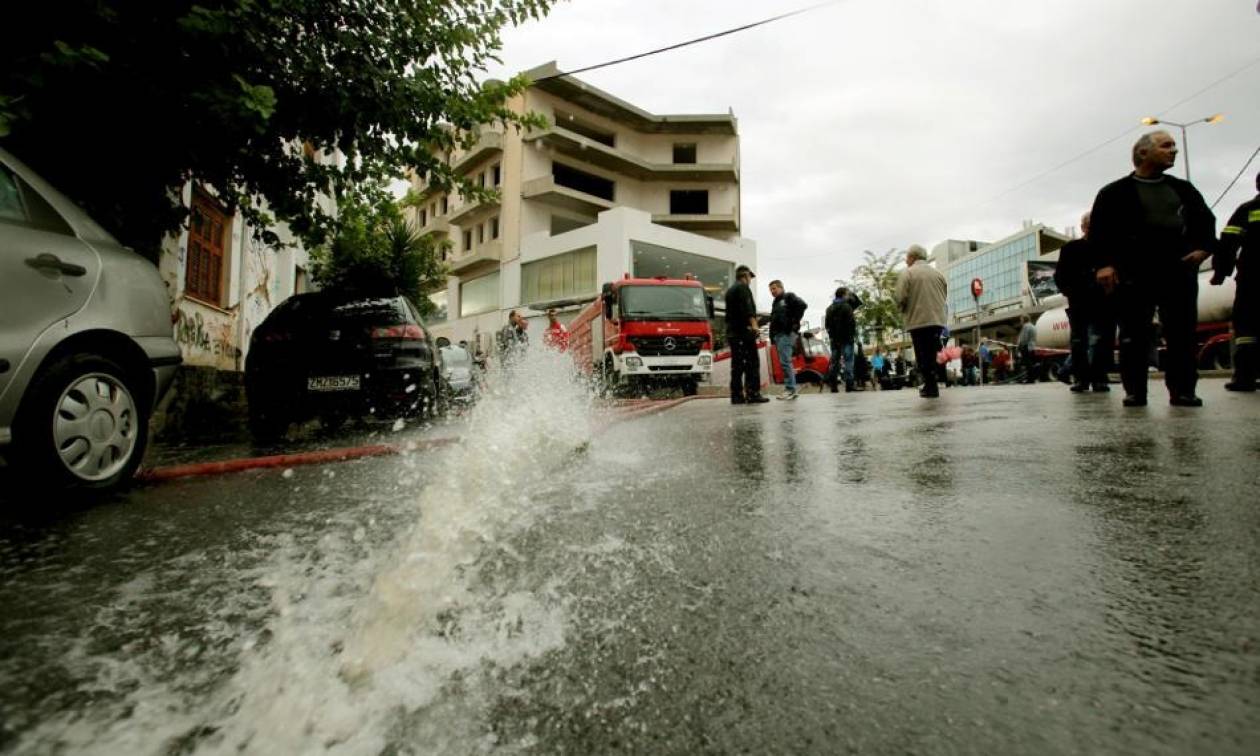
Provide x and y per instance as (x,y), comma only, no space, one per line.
(1185,143)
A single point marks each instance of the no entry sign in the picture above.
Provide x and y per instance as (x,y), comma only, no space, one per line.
(977,287)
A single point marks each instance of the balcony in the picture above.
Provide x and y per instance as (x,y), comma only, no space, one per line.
(712,222)
(546,190)
(590,151)
(438,226)
(472,212)
(489,143)
(484,256)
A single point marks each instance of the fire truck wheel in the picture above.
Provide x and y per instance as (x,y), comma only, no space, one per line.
(690,388)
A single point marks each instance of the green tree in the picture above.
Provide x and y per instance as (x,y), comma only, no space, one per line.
(120,103)
(875,281)
(377,251)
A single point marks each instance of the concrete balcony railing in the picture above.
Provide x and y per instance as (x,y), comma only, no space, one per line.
(711,222)
(489,143)
(588,150)
(440,226)
(545,189)
(471,212)
(485,255)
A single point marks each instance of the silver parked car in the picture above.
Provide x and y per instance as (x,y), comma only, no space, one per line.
(86,346)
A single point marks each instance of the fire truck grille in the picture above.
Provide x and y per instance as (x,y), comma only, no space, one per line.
(658,346)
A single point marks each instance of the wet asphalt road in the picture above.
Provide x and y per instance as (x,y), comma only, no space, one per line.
(1005,570)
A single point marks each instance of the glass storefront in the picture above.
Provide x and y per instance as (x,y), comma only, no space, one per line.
(563,276)
(651,261)
(479,295)
(1001,267)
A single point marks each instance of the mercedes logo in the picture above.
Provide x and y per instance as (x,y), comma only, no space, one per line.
(669,344)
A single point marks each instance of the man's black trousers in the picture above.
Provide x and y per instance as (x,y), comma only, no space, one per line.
(1174,293)
(745,365)
(1093,340)
(927,343)
(1246,330)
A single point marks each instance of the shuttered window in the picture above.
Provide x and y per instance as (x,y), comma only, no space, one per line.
(207,239)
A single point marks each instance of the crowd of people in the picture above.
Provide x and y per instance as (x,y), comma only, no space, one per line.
(1144,241)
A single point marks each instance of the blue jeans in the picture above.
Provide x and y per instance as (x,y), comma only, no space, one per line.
(841,368)
(784,343)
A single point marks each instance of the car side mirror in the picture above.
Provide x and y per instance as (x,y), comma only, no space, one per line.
(708,305)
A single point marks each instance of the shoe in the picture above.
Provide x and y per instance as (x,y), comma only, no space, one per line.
(738,400)
(1236,386)
(789,396)
(848,388)
(757,399)
(929,394)
(1079,388)
(835,389)
(1185,400)
(1101,388)
(1132,400)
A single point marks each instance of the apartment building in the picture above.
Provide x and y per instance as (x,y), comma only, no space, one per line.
(604,190)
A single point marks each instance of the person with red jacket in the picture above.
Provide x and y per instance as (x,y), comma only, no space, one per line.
(556,336)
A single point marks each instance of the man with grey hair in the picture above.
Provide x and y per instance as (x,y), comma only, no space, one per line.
(1152,231)
(921,294)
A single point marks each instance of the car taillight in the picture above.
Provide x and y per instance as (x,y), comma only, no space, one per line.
(272,337)
(409,332)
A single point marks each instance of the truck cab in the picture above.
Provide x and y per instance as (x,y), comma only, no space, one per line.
(647,333)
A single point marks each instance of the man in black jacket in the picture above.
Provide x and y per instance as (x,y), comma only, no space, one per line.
(1152,232)
(785,324)
(842,331)
(1089,313)
(1241,238)
(741,334)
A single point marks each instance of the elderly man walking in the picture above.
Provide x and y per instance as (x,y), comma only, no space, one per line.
(921,292)
(1153,231)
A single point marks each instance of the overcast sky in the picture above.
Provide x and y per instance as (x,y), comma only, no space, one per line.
(872,124)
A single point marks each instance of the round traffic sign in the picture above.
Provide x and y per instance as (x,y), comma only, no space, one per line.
(977,287)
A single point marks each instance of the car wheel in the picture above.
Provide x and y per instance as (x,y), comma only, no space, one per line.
(332,421)
(690,388)
(83,426)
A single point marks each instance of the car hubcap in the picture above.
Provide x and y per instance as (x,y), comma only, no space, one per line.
(95,427)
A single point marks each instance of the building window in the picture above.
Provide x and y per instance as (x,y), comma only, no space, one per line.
(446,204)
(440,300)
(563,225)
(301,280)
(689,202)
(207,242)
(481,233)
(563,276)
(481,179)
(685,153)
(582,181)
(424,217)
(479,295)
(468,240)
(650,261)
(494,227)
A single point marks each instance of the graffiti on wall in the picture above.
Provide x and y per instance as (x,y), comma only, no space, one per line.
(208,340)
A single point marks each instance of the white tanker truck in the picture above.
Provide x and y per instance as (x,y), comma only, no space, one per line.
(1216,307)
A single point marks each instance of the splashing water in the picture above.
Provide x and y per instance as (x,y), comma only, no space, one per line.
(359,648)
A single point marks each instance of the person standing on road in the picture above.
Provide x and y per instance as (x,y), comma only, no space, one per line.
(741,334)
(556,336)
(877,367)
(921,293)
(1241,239)
(1093,327)
(1152,232)
(841,328)
(512,337)
(785,323)
(1027,349)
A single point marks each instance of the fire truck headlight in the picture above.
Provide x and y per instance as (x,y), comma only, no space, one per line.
(634,363)
(705,360)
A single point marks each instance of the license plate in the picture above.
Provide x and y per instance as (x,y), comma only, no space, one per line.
(333,383)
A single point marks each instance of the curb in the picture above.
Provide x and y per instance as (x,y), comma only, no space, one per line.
(324,456)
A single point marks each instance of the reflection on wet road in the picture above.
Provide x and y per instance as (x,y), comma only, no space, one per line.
(1007,570)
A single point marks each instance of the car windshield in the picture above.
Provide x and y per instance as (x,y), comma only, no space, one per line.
(663,303)
(374,312)
(456,357)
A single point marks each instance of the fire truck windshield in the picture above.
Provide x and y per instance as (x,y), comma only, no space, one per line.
(663,303)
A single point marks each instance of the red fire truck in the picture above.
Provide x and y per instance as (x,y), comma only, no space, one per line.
(644,333)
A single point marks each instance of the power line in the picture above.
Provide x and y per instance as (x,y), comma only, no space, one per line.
(689,42)
(1235,181)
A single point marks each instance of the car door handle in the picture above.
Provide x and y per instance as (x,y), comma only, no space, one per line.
(48,261)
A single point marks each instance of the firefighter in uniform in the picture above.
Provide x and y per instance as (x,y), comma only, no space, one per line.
(1241,240)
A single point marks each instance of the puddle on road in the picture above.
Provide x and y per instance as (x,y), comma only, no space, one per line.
(359,647)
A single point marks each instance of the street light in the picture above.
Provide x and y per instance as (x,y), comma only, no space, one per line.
(1185,144)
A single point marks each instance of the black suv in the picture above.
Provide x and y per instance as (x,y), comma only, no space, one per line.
(337,356)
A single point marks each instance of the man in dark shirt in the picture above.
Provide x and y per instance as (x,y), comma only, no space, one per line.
(1152,231)
(785,325)
(1089,313)
(842,331)
(1241,239)
(741,334)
